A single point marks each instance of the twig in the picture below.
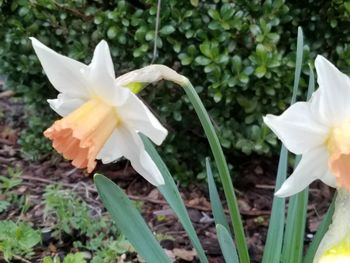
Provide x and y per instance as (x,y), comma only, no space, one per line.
(202,208)
(156,32)
(21,259)
(7,93)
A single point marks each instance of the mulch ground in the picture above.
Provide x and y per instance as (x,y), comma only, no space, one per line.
(254,184)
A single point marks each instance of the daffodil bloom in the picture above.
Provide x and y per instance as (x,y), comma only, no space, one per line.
(335,245)
(101,115)
(319,130)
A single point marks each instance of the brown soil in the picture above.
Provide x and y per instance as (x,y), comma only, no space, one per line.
(254,184)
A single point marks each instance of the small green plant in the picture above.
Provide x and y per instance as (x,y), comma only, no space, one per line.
(8,183)
(3,205)
(17,240)
(112,249)
(70,258)
(71,213)
(11,180)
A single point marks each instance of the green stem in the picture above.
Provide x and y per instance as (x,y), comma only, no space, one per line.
(223,171)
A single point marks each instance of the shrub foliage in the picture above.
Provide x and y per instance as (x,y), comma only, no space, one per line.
(240,56)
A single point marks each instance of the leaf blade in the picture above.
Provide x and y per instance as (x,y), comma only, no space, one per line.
(171,194)
(322,229)
(216,205)
(227,245)
(129,220)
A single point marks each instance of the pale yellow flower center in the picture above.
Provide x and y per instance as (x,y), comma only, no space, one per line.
(339,253)
(81,135)
(338,145)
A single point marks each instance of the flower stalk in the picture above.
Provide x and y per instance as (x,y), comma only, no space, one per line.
(223,170)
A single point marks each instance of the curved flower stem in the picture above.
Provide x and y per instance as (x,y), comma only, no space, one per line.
(223,170)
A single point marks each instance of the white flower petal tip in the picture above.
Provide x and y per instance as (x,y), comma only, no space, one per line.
(297,128)
(282,193)
(322,61)
(158,180)
(64,73)
(268,119)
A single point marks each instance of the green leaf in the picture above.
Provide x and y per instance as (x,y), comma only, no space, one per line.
(171,194)
(216,205)
(203,61)
(167,30)
(74,258)
(322,229)
(206,49)
(273,246)
(213,13)
(299,62)
(3,205)
(293,242)
(227,246)
(295,228)
(194,2)
(129,220)
(50,260)
(311,87)
(260,71)
(222,167)
(112,32)
(185,59)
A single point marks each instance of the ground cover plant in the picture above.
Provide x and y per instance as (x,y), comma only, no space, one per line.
(103,122)
(65,220)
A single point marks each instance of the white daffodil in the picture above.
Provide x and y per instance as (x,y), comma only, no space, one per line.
(101,116)
(335,245)
(319,130)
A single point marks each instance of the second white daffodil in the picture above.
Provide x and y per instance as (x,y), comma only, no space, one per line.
(319,130)
(101,116)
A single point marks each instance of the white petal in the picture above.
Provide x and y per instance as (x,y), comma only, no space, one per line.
(297,128)
(334,87)
(102,77)
(65,74)
(127,143)
(112,149)
(135,113)
(329,179)
(313,165)
(151,74)
(65,104)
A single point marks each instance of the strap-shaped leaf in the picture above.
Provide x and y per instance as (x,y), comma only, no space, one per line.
(227,246)
(273,246)
(129,220)
(216,205)
(322,229)
(173,197)
(297,211)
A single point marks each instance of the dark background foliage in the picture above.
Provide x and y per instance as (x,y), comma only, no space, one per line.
(239,56)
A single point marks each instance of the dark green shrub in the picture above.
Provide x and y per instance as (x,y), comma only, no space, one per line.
(240,56)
